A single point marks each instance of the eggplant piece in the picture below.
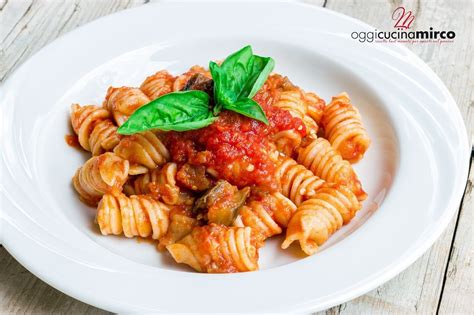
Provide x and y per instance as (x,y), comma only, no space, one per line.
(212,195)
(221,203)
(200,82)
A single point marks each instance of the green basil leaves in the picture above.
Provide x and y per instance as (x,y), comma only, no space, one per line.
(236,81)
(179,111)
(248,107)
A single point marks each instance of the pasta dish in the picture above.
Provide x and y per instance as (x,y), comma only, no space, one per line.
(210,163)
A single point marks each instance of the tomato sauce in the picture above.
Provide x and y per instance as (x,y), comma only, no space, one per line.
(72,141)
(208,239)
(234,147)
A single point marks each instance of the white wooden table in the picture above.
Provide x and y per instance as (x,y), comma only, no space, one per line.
(440,281)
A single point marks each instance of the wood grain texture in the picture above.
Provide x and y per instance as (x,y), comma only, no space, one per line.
(28,25)
(441,280)
(21,292)
(458,290)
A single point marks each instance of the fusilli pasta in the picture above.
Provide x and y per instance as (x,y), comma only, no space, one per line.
(315,105)
(160,182)
(287,141)
(158,84)
(144,149)
(258,216)
(266,215)
(99,175)
(124,101)
(180,226)
(343,128)
(296,182)
(284,209)
(325,162)
(319,217)
(96,133)
(217,248)
(293,100)
(137,215)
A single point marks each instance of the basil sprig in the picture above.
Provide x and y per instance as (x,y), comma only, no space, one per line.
(236,81)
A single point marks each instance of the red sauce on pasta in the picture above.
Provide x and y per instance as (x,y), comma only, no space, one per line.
(72,141)
(235,147)
(207,237)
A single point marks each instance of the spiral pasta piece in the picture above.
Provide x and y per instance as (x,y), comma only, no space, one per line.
(95,132)
(160,182)
(325,162)
(296,182)
(136,169)
(271,89)
(343,128)
(258,216)
(292,99)
(315,105)
(287,141)
(319,217)
(284,209)
(181,80)
(137,215)
(266,216)
(123,102)
(140,184)
(144,149)
(280,93)
(158,84)
(180,226)
(104,137)
(311,126)
(217,248)
(99,175)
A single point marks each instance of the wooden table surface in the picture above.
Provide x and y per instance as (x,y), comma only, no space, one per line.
(440,281)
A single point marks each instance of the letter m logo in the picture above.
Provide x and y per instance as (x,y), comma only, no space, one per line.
(403,19)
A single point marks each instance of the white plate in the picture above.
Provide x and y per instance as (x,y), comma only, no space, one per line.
(414,172)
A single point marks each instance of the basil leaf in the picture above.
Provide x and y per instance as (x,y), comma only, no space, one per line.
(240,76)
(179,111)
(238,79)
(248,107)
(236,70)
(220,96)
(261,68)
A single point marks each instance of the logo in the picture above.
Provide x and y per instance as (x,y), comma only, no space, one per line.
(403,18)
(403,33)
